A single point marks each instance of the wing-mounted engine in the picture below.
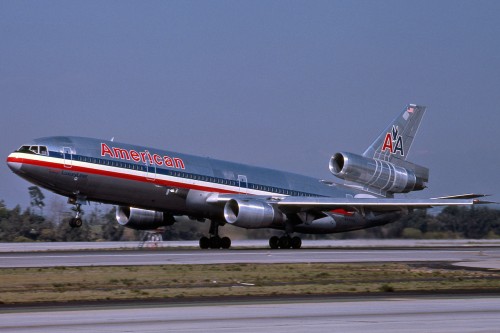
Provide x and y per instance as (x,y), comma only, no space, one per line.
(378,174)
(252,214)
(142,219)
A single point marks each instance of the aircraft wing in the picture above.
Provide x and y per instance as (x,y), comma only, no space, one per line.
(295,204)
(299,204)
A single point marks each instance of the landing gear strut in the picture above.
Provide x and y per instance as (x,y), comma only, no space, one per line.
(76,222)
(285,242)
(215,241)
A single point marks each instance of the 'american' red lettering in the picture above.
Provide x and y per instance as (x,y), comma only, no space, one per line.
(144,156)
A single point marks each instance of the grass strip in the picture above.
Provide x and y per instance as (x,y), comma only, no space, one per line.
(65,284)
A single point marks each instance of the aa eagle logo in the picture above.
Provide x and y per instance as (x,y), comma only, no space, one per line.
(393,142)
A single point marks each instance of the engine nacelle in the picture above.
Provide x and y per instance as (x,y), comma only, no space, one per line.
(142,219)
(379,174)
(252,214)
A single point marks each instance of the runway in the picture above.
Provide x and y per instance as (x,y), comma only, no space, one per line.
(471,313)
(484,257)
(447,314)
(252,244)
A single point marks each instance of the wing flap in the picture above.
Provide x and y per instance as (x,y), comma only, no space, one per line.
(464,196)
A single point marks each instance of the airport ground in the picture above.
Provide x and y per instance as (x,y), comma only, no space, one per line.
(434,286)
(331,314)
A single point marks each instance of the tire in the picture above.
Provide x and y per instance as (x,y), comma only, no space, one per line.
(215,242)
(225,242)
(296,242)
(204,243)
(78,222)
(274,242)
(285,242)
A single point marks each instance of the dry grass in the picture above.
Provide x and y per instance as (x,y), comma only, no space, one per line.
(21,285)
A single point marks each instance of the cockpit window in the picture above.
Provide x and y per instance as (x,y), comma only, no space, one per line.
(39,150)
(24,149)
(35,149)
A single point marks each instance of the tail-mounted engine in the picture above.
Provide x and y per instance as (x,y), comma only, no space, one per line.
(252,214)
(378,174)
(142,219)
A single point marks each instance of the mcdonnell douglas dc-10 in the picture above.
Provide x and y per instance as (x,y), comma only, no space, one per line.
(153,187)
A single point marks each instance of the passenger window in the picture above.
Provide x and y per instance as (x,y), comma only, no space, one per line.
(43,150)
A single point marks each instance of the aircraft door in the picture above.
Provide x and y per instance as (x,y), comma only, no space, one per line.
(68,157)
(150,171)
(243,184)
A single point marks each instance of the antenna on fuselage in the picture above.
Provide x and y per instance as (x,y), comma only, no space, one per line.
(112,139)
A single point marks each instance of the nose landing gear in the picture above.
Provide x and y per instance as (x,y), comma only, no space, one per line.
(76,222)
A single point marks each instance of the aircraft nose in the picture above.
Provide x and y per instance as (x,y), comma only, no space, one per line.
(14,163)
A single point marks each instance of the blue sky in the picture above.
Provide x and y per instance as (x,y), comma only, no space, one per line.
(281,84)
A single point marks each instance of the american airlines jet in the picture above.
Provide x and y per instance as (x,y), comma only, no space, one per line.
(153,187)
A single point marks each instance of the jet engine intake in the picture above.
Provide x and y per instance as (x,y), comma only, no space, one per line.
(142,219)
(252,214)
(378,174)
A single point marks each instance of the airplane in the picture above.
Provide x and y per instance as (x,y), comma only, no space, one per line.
(152,188)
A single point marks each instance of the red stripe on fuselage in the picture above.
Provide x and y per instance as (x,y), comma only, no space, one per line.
(114,174)
(13,159)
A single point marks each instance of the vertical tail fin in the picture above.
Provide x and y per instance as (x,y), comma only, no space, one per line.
(394,143)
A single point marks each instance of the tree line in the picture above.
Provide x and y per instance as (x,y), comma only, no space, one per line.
(37,223)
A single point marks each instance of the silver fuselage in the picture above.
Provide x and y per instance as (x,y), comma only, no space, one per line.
(176,183)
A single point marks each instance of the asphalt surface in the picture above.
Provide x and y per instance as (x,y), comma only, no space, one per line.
(442,314)
(482,257)
(251,244)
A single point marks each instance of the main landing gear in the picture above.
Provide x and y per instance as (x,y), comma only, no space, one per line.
(76,222)
(215,241)
(285,242)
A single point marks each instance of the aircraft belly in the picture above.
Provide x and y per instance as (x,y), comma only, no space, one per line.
(335,223)
(46,177)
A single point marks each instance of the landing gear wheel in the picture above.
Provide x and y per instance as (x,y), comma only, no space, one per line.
(285,242)
(215,242)
(296,242)
(225,242)
(75,222)
(274,242)
(204,242)
(78,222)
